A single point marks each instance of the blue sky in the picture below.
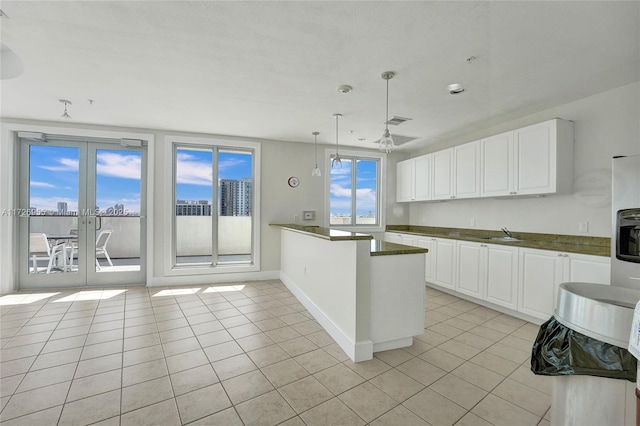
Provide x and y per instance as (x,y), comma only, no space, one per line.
(341,188)
(54,176)
(194,171)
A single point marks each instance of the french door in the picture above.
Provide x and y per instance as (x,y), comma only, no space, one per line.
(82,213)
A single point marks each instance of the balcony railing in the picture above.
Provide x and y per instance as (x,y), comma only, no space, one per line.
(193,234)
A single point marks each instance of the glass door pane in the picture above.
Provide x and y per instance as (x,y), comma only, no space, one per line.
(117,210)
(366,188)
(49,205)
(193,204)
(235,206)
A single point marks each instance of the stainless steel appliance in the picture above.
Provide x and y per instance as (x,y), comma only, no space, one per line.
(625,201)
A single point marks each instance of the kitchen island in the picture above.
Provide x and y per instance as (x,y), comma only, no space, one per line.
(367,294)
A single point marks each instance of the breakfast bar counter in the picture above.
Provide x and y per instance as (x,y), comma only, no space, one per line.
(368,294)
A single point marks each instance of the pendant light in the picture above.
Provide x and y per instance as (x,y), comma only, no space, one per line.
(66,103)
(316,170)
(386,141)
(336,161)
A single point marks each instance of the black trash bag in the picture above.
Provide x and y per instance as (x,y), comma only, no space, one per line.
(559,350)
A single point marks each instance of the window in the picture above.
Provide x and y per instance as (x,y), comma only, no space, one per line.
(354,191)
(214,217)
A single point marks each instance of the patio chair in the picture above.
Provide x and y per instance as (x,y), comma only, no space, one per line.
(101,247)
(39,249)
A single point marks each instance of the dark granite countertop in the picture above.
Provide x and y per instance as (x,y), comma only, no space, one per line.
(385,248)
(598,246)
(325,233)
(378,247)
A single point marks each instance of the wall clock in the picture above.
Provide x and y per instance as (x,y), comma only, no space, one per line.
(293,181)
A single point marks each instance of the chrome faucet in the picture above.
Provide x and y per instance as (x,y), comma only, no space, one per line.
(506,231)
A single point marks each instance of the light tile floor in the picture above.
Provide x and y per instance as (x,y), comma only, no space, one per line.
(249,353)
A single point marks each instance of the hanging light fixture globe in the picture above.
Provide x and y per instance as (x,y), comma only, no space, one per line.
(386,143)
(316,170)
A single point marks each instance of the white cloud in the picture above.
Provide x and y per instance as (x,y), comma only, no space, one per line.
(341,198)
(229,164)
(126,166)
(339,191)
(41,184)
(192,171)
(64,165)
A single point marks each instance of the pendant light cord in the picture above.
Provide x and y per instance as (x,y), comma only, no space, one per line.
(386,122)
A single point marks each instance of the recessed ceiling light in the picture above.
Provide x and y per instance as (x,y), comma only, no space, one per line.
(455,88)
(345,88)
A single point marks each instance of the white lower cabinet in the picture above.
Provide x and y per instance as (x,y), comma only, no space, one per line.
(525,280)
(427,243)
(502,276)
(542,271)
(393,237)
(471,267)
(488,272)
(443,262)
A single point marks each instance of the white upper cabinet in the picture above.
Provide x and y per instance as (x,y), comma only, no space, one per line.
(443,174)
(404,180)
(414,179)
(466,170)
(533,160)
(456,172)
(497,162)
(422,178)
(535,154)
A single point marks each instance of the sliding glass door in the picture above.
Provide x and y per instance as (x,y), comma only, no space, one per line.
(82,213)
(214,206)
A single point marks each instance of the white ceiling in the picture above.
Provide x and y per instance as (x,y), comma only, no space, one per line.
(271,69)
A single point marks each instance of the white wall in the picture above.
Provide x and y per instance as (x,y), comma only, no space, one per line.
(606,125)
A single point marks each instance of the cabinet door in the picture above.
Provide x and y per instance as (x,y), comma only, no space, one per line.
(535,154)
(444,262)
(501,275)
(466,169)
(404,180)
(496,154)
(409,240)
(422,177)
(538,280)
(428,244)
(587,269)
(393,237)
(470,268)
(442,174)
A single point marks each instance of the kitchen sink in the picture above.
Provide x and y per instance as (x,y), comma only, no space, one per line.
(602,312)
(513,239)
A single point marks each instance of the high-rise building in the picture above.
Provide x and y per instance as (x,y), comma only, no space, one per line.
(236,197)
(193,208)
(62,208)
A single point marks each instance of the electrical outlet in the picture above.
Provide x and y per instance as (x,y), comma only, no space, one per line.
(583,226)
(296,218)
(472,222)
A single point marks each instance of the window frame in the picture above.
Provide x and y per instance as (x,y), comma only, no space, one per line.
(356,155)
(172,145)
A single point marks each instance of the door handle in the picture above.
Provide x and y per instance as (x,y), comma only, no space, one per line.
(98,223)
